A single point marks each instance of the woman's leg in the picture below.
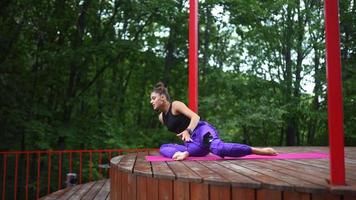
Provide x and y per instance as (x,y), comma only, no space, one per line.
(222,149)
(264,151)
(168,150)
(180,152)
(193,149)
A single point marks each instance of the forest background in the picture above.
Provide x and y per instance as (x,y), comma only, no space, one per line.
(78,74)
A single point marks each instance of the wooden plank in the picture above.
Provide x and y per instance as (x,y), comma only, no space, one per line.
(266,181)
(184,173)
(127,163)
(128,182)
(72,190)
(317,168)
(118,183)
(288,195)
(348,190)
(94,190)
(161,170)
(82,191)
(236,179)
(199,191)
(349,197)
(209,176)
(267,194)
(243,194)
(142,188)
(55,195)
(324,164)
(104,191)
(142,167)
(115,160)
(304,172)
(152,188)
(220,192)
(298,182)
(165,188)
(181,190)
(115,178)
(326,197)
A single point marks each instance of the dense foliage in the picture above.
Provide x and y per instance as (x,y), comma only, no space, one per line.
(78,74)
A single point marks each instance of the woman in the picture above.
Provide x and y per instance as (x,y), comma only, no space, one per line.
(199,137)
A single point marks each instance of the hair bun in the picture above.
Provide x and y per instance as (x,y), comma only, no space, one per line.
(160,85)
(160,88)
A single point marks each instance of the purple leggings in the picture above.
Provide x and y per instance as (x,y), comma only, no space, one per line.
(197,147)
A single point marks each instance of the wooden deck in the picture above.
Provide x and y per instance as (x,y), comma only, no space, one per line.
(98,190)
(134,178)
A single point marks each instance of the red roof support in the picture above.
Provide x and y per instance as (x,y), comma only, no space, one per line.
(193,55)
(334,92)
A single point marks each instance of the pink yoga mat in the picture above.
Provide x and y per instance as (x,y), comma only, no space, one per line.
(304,155)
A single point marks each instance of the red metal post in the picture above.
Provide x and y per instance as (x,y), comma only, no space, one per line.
(80,167)
(335,104)
(27,173)
(90,166)
(60,171)
(193,55)
(70,162)
(109,163)
(49,172)
(100,161)
(38,175)
(4,177)
(16,175)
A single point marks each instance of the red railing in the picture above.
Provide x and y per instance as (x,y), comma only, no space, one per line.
(32,174)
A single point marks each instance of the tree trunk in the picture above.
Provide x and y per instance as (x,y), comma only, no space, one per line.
(73,72)
(206,56)
(317,92)
(290,127)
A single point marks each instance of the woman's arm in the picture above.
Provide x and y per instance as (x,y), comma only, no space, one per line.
(180,108)
(160,118)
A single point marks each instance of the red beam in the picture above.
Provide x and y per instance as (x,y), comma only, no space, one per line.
(193,55)
(335,104)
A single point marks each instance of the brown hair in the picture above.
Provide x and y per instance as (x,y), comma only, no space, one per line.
(161,89)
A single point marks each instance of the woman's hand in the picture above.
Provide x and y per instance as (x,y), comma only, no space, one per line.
(185,136)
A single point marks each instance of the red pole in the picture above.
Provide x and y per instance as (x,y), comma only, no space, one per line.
(70,162)
(49,172)
(38,175)
(60,171)
(90,166)
(80,167)
(193,55)
(27,173)
(100,159)
(16,175)
(4,177)
(335,104)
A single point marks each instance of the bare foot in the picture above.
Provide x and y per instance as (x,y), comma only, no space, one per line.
(180,155)
(264,151)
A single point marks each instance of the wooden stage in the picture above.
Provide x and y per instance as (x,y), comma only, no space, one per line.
(98,190)
(132,177)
